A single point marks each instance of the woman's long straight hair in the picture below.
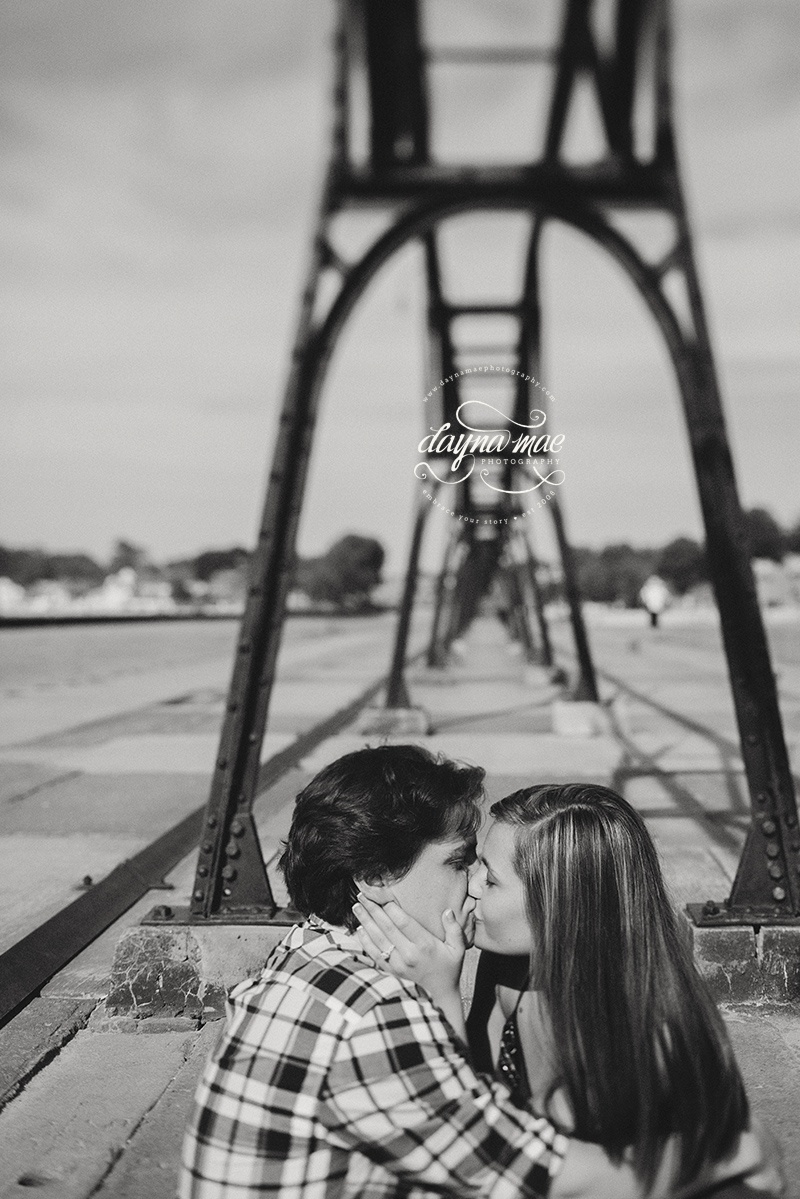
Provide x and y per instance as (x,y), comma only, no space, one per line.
(640,1049)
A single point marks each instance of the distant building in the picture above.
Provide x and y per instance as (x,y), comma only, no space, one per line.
(114,594)
(12,597)
(126,593)
(699,596)
(228,586)
(778,583)
(48,597)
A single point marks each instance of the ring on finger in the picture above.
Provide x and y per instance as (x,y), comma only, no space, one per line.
(387,953)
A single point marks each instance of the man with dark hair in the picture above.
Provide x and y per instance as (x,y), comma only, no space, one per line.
(334,1077)
(371,816)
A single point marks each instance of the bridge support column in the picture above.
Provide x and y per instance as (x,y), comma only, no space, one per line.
(398,716)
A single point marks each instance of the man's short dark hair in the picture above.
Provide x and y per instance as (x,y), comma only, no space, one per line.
(368,815)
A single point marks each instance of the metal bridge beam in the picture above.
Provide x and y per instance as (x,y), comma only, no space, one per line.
(530,353)
(538,604)
(396,690)
(419,195)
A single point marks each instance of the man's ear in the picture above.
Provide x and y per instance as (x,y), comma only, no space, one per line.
(378,890)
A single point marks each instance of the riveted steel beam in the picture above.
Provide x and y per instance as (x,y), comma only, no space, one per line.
(418,194)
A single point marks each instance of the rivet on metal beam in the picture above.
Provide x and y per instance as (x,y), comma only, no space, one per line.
(212,822)
(229,872)
(199,894)
(768,828)
(775,870)
(778,893)
(237,828)
(232,849)
(773,849)
(207,846)
(202,871)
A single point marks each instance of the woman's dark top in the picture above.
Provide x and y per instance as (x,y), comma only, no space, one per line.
(511,1064)
(496,969)
(493,969)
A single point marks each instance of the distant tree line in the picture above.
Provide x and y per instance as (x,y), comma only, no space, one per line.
(344,577)
(27,567)
(616,573)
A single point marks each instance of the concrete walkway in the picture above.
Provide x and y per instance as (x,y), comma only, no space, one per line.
(121,748)
(96,1106)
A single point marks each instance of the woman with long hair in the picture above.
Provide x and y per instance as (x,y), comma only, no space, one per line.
(613,1035)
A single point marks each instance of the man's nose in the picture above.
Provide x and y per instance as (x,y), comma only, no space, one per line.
(474,886)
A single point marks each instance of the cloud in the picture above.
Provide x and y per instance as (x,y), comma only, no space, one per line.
(158,186)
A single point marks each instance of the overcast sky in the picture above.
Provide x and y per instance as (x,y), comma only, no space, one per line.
(160,169)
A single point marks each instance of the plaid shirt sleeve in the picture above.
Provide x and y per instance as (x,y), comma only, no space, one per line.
(401,1092)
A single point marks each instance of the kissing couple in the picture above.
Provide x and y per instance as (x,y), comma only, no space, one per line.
(593,1063)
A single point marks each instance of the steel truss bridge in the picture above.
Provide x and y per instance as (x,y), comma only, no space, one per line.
(383,162)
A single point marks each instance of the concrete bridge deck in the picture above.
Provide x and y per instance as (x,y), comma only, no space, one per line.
(96,1105)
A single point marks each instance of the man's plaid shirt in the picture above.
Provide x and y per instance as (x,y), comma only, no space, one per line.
(333,1078)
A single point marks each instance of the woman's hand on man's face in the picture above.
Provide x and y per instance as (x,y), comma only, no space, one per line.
(400,944)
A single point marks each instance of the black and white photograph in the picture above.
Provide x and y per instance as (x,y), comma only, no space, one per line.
(400,599)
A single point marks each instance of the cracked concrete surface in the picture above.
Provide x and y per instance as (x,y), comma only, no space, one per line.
(156,971)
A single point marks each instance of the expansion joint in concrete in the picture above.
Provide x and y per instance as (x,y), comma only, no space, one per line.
(35,1037)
